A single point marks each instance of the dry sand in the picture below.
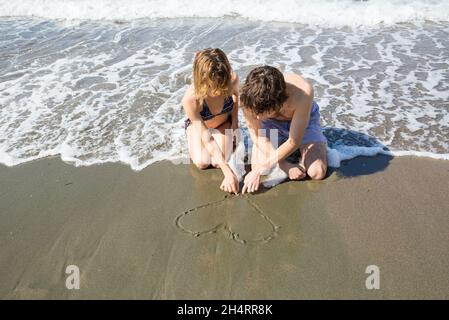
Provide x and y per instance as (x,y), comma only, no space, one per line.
(168,232)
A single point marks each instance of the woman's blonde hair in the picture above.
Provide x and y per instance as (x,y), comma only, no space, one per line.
(211,71)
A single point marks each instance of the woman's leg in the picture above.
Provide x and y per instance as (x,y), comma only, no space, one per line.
(223,140)
(198,152)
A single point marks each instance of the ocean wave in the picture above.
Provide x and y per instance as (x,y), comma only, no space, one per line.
(108,92)
(334,13)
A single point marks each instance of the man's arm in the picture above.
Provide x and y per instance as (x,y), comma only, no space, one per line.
(301,115)
(300,120)
(254,125)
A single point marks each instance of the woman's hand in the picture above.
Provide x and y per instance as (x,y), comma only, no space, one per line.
(252,181)
(230,183)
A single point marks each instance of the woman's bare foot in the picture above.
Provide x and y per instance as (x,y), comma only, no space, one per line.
(294,171)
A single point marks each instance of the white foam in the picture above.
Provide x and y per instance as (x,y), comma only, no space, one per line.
(341,153)
(402,153)
(275,176)
(53,108)
(317,12)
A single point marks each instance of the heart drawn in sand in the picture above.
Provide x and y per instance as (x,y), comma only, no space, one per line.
(231,216)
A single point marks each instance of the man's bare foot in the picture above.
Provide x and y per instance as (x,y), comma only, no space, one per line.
(293,170)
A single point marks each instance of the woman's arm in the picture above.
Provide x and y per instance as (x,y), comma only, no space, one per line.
(192,109)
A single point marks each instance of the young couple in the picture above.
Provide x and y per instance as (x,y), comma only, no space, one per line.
(269,100)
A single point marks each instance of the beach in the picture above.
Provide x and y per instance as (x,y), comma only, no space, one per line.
(143,235)
(93,152)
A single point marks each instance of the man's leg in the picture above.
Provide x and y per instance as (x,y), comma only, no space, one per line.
(294,170)
(314,159)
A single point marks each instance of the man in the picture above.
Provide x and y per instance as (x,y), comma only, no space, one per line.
(271,100)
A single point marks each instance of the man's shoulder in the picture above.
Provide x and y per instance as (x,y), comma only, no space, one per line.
(299,91)
(290,76)
(300,86)
(298,81)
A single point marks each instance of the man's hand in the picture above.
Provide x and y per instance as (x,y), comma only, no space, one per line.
(230,183)
(252,181)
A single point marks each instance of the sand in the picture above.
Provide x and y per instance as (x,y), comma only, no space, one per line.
(168,232)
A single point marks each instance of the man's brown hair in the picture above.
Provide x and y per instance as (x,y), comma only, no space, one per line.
(264,90)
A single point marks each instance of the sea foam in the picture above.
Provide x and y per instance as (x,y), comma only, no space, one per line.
(111,92)
(317,12)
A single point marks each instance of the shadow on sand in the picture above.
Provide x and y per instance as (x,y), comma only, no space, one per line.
(366,152)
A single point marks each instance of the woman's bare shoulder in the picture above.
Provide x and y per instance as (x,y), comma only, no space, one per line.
(235,82)
(234,78)
(188,101)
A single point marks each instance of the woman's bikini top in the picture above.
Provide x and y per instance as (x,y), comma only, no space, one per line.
(207,115)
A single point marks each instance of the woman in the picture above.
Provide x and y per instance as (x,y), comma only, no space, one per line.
(211,105)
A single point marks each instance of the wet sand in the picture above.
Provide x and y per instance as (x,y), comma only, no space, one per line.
(168,232)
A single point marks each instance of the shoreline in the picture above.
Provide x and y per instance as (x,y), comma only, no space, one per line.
(298,240)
